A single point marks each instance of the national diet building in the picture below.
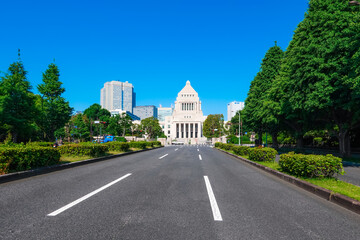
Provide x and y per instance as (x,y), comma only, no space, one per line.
(185,125)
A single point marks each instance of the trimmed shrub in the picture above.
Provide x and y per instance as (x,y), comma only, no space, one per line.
(241,150)
(118,146)
(40,144)
(218,144)
(140,145)
(120,139)
(156,144)
(81,149)
(265,154)
(311,166)
(20,158)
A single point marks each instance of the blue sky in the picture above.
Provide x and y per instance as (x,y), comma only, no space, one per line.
(155,45)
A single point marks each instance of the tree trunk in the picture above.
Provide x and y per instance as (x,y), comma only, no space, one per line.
(344,142)
(275,143)
(300,142)
(259,142)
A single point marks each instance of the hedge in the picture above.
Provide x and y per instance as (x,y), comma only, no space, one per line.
(140,145)
(261,154)
(21,158)
(311,166)
(118,146)
(241,150)
(81,149)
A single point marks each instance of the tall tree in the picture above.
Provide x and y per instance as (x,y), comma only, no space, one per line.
(321,70)
(258,111)
(17,109)
(96,113)
(213,126)
(55,110)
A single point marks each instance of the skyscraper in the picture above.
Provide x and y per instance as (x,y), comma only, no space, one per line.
(233,108)
(116,95)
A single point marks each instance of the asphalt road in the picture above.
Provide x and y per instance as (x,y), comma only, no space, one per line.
(168,193)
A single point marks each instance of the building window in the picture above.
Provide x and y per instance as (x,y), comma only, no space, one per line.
(168,126)
(169,132)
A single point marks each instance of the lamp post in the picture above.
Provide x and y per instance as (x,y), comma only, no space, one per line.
(239,126)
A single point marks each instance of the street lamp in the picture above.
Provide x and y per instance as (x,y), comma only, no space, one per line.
(239,126)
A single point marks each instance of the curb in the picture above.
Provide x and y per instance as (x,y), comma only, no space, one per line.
(339,199)
(43,170)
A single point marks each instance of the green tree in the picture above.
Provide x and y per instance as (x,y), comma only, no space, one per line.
(79,127)
(96,113)
(213,126)
(321,70)
(17,108)
(119,125)
(258,113)
(151,127)
(55,110)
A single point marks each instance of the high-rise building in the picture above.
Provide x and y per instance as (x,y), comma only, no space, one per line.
(163,112)
(233,108)
(145,111)
(118,95)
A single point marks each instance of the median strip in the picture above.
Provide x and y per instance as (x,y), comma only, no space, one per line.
(214,206)
(60,210)
(163,156)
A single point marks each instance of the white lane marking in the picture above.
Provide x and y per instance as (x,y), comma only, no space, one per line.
(213,203)
(200,157)
(198,149)
(163,156)
(176,149)
(60,210)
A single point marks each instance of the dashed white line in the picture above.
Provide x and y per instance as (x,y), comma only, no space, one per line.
(213,203)
(198,149)
(200,157)
(60,210)
(163,156)
(176,149)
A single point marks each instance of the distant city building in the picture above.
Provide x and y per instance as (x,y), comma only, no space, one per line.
(164,112)
(233,108)
(145,111)
(120,112)
(118,95)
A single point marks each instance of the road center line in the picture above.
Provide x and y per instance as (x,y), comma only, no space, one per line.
(200,157)
(60,210)
(163,156)
(213,203)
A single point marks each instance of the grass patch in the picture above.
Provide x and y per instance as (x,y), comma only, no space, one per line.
(336,186)
(71,158)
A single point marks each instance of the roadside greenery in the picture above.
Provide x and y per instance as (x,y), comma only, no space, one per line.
(315,86)
(214,126)
(21,157)
(324,176)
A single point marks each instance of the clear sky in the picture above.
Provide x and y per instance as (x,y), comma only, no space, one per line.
(155,45)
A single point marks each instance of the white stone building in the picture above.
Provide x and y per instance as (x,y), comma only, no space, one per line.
(185,125)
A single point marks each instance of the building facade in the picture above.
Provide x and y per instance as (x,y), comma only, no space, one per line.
(118,95)
(164,112)
(233,108)
(185,125)
(145,111)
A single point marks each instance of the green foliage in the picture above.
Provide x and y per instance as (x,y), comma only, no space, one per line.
(213,126)
(311,166)
(262,154)
(241,150)
(118,146)
(151,127)
(89,149)
(17,108)
(55,110)
(120,139)
(20,158)
(79,127)
(119,125)
(139,145)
